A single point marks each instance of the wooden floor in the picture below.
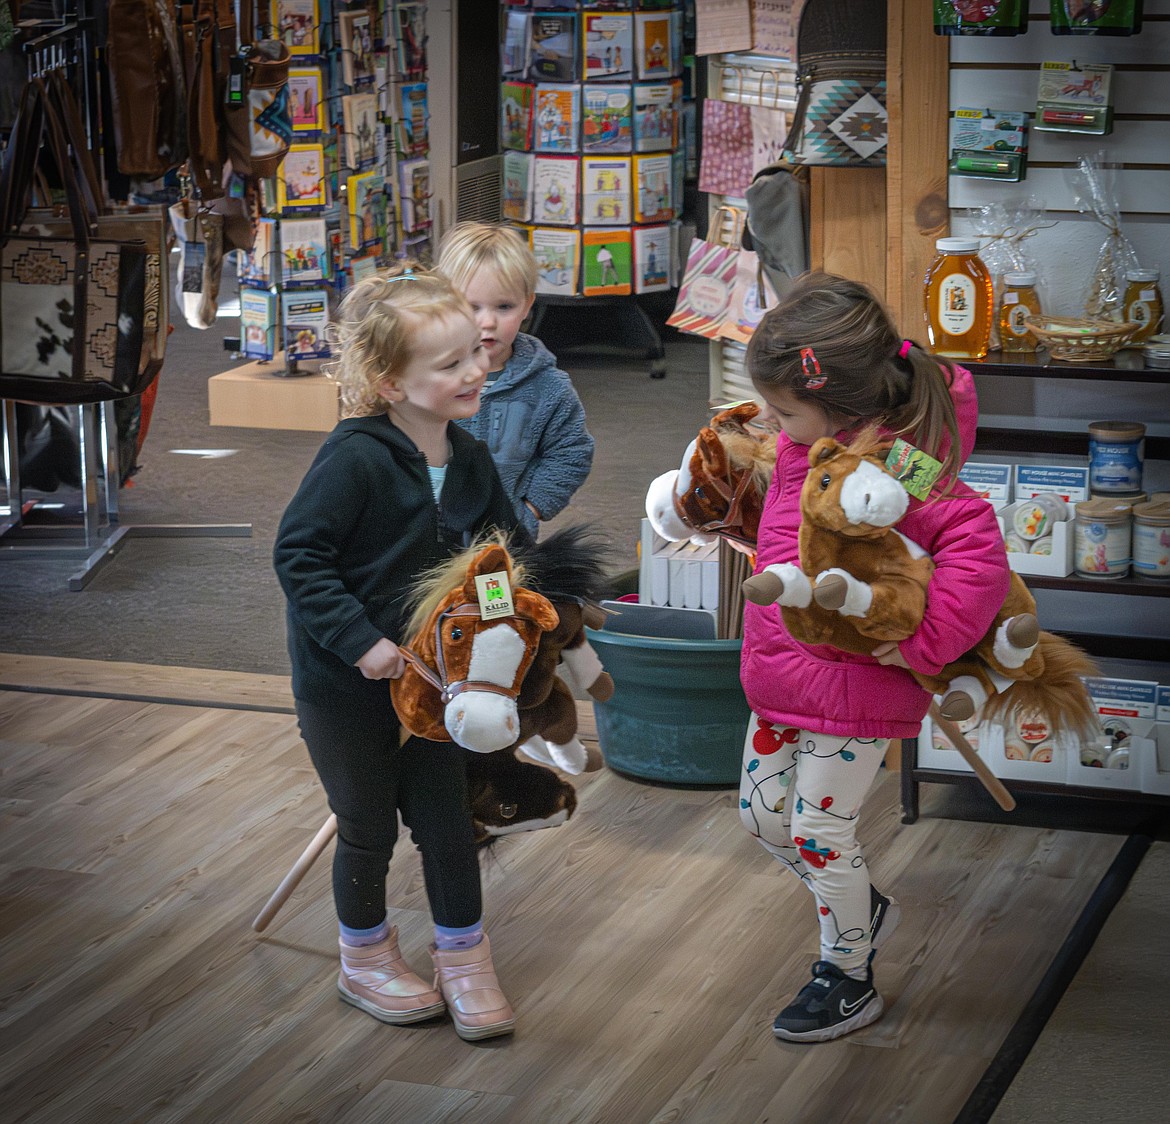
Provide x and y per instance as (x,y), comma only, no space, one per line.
(646,944)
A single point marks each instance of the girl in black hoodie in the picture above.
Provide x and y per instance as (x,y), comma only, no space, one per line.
(396,488)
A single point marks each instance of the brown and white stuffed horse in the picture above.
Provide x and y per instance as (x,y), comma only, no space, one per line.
(860,583)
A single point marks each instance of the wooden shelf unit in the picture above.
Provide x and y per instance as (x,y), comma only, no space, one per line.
(1127,366)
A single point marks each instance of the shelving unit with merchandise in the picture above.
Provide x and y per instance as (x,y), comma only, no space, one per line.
(354,188)
(765,86)
(592,104)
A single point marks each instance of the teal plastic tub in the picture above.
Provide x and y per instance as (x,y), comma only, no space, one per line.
(677,714)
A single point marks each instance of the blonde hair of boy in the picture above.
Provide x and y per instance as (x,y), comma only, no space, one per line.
(469,247)
(374,326)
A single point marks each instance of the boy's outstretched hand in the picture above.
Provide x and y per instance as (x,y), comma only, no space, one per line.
(382,661)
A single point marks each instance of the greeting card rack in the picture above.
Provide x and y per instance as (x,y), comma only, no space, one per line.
(354,189)
(594,160)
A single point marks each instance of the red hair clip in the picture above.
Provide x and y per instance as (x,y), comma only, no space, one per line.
(814,379)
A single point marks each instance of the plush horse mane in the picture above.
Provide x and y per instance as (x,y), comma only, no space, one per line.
(572,561)
(433,585)
(753,453)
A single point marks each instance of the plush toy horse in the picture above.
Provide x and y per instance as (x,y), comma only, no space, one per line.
(491,685)
(860,582)
(566,570)
(719,488)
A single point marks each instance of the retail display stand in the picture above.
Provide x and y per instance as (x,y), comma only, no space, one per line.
(591,112)
(1127,366)
(354,189)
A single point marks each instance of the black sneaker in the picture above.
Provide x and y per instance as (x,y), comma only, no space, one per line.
(830,1005)
(884,915)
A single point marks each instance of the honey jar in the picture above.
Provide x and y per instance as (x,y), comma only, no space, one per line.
(959,300)
(1019,301)
(1143,302)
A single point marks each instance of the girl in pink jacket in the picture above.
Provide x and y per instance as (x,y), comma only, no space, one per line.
(826,360)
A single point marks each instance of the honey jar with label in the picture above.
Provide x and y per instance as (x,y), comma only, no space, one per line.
(1019,301)
(1143,302)
(959,300)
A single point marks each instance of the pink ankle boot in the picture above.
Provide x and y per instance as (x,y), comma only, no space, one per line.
(467,979)
(375,978)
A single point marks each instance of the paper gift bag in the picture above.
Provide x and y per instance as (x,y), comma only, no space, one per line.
(705,294)
(726,164)
(752,295)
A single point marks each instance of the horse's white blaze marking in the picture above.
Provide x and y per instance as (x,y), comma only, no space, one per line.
(869,495)
(684,469)
(496,653)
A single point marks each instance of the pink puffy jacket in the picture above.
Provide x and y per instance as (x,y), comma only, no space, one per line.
(819,688)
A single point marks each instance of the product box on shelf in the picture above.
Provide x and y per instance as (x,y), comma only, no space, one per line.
(1027,749)
(992,481)
(1058,563)
(1127,710)
(1070,482)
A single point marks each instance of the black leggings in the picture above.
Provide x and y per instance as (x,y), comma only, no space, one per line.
(369,779)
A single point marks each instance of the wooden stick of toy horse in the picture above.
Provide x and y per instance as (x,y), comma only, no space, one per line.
(859,582)
(492,686)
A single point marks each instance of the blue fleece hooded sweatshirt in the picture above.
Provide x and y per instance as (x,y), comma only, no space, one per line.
(534,425)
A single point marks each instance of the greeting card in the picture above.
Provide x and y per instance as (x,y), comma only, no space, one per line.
(607,116)
(651,259)
(304,99)
(605,190)
(608,46)
(356,34)
(301,179)
(557,118)
(298,24)
(554,197)
(360,123)
(606,262)
(304,251)
(557,254)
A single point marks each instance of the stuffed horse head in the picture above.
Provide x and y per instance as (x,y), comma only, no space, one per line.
(719,488)
(861,582)
(464,666)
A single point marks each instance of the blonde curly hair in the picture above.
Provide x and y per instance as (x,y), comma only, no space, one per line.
(372,336)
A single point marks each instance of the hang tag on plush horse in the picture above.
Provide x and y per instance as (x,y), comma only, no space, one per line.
(465,667)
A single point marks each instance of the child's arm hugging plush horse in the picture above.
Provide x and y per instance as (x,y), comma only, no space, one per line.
(861,582)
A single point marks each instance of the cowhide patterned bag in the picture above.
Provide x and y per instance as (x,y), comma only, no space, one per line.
(72,309)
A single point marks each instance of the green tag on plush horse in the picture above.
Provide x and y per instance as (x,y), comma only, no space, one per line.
(915,470)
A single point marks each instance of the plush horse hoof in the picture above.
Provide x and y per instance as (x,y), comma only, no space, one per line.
(957,706)
(764,588)
(831,591)
(1023,631)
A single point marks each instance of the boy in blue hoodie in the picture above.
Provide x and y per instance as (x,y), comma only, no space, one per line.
(530,416)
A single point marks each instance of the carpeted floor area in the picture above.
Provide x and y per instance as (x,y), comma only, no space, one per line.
(214,602)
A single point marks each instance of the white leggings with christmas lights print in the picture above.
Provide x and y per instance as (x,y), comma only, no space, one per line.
(800,795)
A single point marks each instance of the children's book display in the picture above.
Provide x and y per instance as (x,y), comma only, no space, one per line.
(355,187)
(591,105)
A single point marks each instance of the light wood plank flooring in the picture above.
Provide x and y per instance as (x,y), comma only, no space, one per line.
(646,945)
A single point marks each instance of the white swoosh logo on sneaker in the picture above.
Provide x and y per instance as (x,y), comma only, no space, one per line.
(848,1009)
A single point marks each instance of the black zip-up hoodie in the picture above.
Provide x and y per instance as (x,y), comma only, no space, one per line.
(362,526)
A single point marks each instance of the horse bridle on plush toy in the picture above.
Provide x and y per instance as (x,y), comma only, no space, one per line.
(437,676)
(732,492)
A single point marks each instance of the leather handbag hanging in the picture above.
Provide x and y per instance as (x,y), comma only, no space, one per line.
(212,28)
(128,223)
(257,115)
(840,118)
(148,89)
(71,308)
